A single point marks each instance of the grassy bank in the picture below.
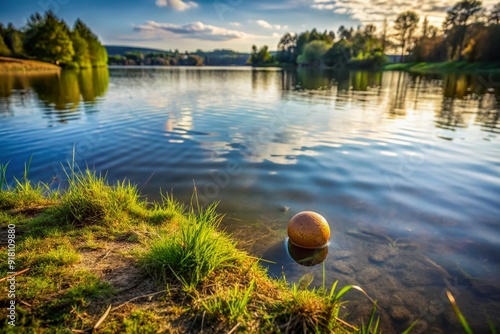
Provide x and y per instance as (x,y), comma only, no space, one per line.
(21,65)
(98,257)
(444,67)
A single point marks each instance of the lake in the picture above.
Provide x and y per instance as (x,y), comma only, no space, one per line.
(405,168)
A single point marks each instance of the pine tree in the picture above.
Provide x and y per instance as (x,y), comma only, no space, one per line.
(13,39)
(97,53)
(47,39)
(81,47)
(4,50)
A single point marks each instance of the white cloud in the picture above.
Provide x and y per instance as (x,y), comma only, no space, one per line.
(195,30)
(375,11)
(267,25)
(235,24)
(177,4)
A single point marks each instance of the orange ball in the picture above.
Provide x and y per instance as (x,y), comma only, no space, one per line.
(309,229)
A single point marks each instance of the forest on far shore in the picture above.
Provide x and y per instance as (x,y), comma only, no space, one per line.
(50,39)
(469,33)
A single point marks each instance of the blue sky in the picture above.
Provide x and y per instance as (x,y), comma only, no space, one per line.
(210,24)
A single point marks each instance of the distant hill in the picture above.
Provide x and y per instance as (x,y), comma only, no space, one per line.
(216,57)
(223,57)
(121,50)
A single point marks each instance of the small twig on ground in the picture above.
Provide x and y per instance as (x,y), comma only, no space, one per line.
(346,324)
(139,297)
(202,321)
(105,255)
(129,287)
(24,303)
(234,328)
(18,273)
(101,319)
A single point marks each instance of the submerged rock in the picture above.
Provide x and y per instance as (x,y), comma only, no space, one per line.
(342,267)
(284,209)
(400,314)
(341,254)
(380,255)
(487,289)
(368,274)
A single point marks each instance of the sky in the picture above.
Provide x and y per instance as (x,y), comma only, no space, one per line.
(218,24)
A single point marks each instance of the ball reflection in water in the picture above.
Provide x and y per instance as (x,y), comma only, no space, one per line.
(306,257)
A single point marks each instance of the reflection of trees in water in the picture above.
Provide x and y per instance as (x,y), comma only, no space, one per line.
(398,88)
(343,80)
(489,111)
(13,87)
(58,92)
(313,79)
(93,83)
(63,91)
(449,117)
(464,96)
(261,79)
(61,94)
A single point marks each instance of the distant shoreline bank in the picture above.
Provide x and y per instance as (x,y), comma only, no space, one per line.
(444,67)
(16,65)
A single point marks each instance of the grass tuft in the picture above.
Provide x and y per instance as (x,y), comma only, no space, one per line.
(89,199)
(141,322)
(193,252)
(23,195)
(231,305)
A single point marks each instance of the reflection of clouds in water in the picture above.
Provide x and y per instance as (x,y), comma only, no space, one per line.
(284,153)
(250,116)
(169,124)
(178,124)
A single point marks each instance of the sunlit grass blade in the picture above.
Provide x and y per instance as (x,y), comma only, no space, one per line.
(408,330)
(370,321)
(459,314)
(493,330)
(323,272)
(347,288)
(3,176)
(332,290)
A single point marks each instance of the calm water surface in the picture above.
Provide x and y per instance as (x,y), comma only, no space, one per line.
(405,168)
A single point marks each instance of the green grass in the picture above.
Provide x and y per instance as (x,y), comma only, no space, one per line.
(463,321)
(232,305)
(89,199)
(140,322)
(444,67)
(23,194)
(193,252)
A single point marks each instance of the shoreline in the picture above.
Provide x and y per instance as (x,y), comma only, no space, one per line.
(16,65)
(444,67)
(98,255)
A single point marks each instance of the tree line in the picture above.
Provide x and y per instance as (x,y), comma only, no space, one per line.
(167,58)
(218,57)
(469,33)
(361,47)
(48,38)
